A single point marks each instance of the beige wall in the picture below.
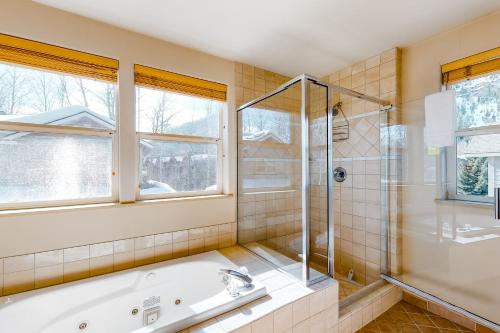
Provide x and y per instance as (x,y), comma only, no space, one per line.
(55,229)
(459,270)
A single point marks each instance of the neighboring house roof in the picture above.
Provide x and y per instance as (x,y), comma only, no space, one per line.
(263,136)
(479,146)
(69,115)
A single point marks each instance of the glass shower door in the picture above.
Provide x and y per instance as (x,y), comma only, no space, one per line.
(282,179)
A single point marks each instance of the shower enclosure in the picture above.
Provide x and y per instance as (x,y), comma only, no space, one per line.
(291,211)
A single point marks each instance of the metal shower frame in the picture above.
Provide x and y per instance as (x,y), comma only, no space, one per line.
(305,80)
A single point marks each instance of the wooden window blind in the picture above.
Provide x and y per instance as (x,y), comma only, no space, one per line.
(54,58)
(160,79)
(478,64)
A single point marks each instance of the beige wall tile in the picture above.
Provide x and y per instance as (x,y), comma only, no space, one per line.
(1,276)
(196,246)
(346,72)
(101,249)
(76,253)
(317,302)
(358,81)
(180,249)
(226,240)
(123,260)
(264,324)
(225,228)
(49,275)
(332,316)
(452,316)
(388,55)
(283,319)
(18,263)
(180,236)
(388,69)
(196,233)
(48,258)
(238,67)
(345,82)
(377,307)
(144,242)
(211,243)
(367,314)
(163,252)
(101,265)
(483,329)
(123,245)
(76,270)
(357,320)
(372,75)
(211,231)
(318,323)
(372,62)
(17,282)
(357,68)
(300,310)
(144,256)
(302,327)
(345,325)
(417,301)
(388,85)
(162,239)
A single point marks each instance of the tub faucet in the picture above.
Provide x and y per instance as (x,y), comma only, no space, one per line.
(228,275)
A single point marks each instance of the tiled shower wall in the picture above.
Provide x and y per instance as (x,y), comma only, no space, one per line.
(38,270)
(360,235)
(269,216)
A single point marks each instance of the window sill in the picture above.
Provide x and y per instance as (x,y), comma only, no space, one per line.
(463,203)
(22,211)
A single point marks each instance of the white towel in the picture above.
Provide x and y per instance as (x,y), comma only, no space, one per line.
(440,119)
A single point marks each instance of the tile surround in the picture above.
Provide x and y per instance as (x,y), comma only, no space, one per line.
(359,239)
(43,269)
(289,307)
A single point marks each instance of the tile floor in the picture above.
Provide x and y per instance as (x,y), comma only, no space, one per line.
(407,318)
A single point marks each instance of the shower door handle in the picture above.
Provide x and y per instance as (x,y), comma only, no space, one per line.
(497,203)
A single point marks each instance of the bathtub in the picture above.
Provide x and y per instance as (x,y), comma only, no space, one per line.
(163,297)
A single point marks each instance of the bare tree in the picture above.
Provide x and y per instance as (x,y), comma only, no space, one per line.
(62,92)
(15,88)
(162,115)
(107,96)
(83,91)
(3,91)
(43,92)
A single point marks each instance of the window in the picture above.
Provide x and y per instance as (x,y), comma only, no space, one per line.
(57,125)
(267,135)
(179,129)
(473,164)
(266,125)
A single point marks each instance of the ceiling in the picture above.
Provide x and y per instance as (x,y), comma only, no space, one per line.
(286,36)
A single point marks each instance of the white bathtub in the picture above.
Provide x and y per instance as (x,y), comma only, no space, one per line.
(106,304)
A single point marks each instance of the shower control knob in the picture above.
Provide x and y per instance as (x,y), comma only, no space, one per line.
(339,174)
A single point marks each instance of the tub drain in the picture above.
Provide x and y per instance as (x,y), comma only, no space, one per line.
(178,301)
(83,325)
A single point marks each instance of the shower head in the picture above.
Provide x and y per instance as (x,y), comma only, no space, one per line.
(336,108)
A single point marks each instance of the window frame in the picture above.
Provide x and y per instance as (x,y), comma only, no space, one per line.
(70,130)
(449,158)
(181,138)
